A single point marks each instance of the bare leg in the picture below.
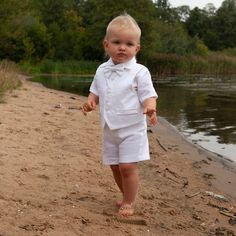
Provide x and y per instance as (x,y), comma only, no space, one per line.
(117,176)
(130,182)
(118,179)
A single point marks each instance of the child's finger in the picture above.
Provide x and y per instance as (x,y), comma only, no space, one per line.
(85,109)
(84,112)
(153,119)
(93,106)
(145,111)
(149,112)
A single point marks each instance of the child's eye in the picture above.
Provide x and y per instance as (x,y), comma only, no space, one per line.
(116,42)
(130,44)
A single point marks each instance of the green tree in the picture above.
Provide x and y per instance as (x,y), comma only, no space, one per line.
(197,23)
(224,25)
(51,11)
(11,32)
(164,12)
(96,15)
(174,39)
(210,9)
(64,26)
(183,12)
(216,28)
(36,39)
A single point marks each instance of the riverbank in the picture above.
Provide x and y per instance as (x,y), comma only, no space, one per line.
(53,183)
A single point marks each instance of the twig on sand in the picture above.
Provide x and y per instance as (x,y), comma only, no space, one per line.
(227,213)
(162,146)
(192,195)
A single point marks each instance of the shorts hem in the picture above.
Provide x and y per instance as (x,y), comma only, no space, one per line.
(125,162)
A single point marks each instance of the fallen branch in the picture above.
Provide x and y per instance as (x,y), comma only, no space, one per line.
(227,213)
(192,195)
(162,146)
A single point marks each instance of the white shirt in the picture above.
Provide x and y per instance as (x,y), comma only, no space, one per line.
(121,89)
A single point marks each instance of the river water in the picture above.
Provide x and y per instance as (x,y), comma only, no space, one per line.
(202,108)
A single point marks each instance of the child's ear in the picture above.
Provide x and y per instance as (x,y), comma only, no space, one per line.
(105,44)
(138,48)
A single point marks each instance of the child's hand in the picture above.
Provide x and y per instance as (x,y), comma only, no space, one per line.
(91,103)
(88,106)
(152,115)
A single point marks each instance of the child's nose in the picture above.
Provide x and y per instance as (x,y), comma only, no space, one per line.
(122,47)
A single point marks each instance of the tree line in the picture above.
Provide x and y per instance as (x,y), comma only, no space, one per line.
(34,30)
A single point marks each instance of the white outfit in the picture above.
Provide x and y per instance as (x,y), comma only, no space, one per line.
(121,89)
(125,145)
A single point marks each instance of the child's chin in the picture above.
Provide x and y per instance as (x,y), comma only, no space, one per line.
(121,61)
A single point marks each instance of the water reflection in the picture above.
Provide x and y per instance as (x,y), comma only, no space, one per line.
(202,108)
(74,84)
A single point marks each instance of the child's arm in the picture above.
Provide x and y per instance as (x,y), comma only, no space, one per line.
(149,108)
(91,103)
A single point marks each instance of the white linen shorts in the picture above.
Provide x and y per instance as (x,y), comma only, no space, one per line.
(125,145)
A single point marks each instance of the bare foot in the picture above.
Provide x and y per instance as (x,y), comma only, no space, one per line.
(119,203)
(126,210)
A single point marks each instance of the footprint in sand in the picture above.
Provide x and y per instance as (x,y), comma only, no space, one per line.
(43,177)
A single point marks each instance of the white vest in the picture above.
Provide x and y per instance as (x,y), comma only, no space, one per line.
(120,103)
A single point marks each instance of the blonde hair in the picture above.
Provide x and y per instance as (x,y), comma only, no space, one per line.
(124,21)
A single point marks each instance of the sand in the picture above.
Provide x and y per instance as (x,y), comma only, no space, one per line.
(52,181)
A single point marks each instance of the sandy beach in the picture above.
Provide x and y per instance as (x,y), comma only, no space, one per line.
(53,184)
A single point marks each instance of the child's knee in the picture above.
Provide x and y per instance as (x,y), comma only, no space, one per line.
(115,168)
(127,169)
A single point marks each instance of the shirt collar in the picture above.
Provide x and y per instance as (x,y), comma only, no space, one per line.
(126,65)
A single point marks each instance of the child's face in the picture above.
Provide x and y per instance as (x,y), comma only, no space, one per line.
(122,45)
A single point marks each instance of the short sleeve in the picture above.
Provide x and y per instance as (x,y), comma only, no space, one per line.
(93,87)
(144,85)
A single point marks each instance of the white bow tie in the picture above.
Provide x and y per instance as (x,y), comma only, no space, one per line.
(113,68)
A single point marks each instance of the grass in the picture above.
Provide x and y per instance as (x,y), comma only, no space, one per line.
(9,77)
(160,64)
(60,67)
(214,64)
